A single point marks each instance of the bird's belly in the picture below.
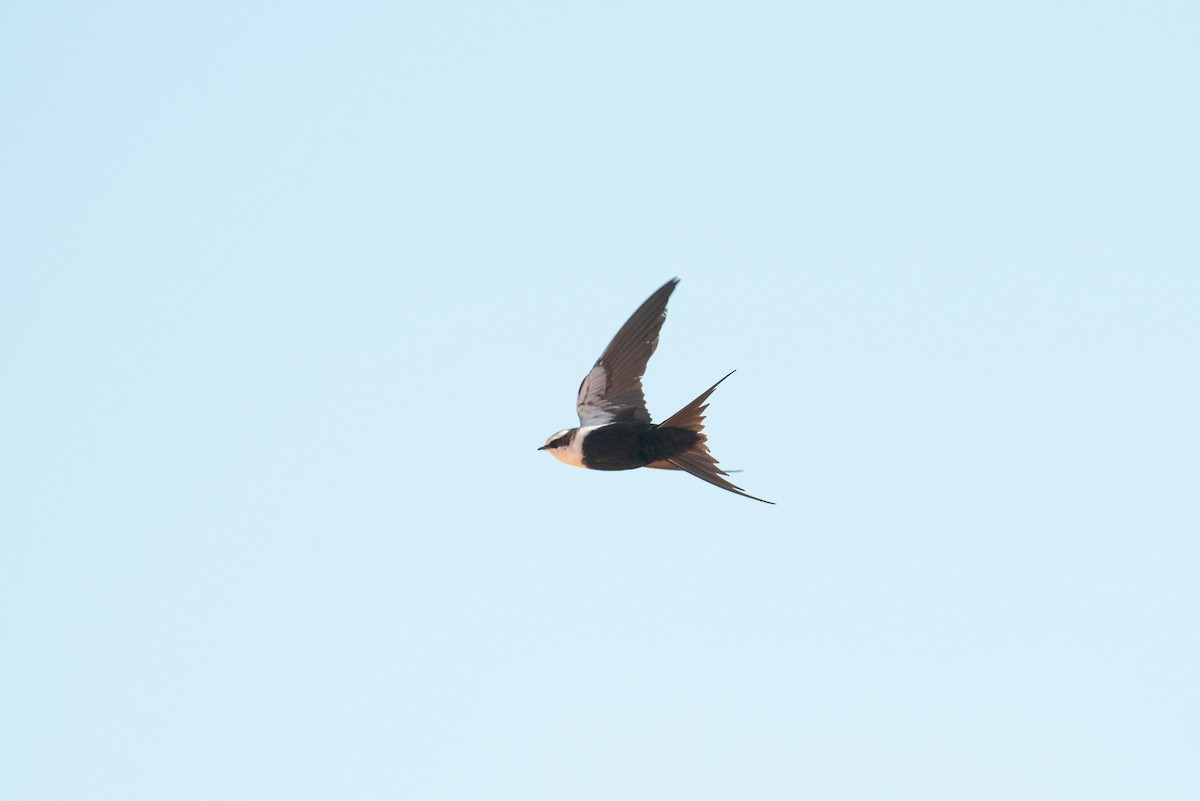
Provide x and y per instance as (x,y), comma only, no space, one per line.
(623,446)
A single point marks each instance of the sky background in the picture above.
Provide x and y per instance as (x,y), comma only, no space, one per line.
(292,292)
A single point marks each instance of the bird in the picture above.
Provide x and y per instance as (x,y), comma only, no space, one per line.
(615,431)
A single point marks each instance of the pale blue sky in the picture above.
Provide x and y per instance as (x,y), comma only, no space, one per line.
(293,291)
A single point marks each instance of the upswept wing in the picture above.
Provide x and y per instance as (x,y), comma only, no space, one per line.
(612,391)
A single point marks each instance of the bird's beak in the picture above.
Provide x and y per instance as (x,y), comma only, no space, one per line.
(543,447)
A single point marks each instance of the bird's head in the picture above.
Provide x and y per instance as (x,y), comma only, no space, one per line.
(561,447)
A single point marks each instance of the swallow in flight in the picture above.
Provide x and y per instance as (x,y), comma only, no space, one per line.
(615,432)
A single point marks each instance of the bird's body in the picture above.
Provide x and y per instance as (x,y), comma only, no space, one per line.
(624,446)
(615,431)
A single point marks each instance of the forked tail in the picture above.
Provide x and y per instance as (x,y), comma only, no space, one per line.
(698,460)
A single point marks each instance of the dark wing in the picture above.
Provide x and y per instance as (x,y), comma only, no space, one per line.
(612,391)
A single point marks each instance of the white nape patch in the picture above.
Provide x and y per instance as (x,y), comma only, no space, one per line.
(573,453)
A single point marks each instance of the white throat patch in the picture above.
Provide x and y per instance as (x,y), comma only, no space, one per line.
(573,453)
